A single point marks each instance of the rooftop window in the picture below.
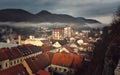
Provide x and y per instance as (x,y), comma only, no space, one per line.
(0,66)
(6,65)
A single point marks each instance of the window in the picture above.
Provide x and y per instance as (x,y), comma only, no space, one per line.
(55,68)
(50,69)
(6,65)
(18,61)
(59,69)
(0,66)
(65,70)
(14,62)
(21,60)
(10,63)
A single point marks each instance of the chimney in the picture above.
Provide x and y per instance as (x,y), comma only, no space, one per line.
(8,41)
(19,39)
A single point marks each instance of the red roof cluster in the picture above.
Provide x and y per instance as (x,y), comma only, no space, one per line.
(16,70)
(3,55)
(6,53)
(40,61)
(16,52)
(67,60)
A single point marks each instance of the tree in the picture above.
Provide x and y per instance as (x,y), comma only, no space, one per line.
(113,50)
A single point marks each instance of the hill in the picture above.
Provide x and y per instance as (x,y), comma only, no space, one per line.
(20,15)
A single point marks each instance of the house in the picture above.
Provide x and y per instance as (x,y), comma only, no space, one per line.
(65,64)
(61,42)
(74,45)
(36,41)
(67,60)
(39,62)
(80,41)
(15,55)
(57,44)
(86,47)
(9,57)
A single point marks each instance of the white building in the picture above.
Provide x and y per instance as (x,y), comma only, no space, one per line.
(34,41)
(67,31)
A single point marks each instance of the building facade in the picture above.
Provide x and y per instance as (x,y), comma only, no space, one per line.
(61,33)
(58,33)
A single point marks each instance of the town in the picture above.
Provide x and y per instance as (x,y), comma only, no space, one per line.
(59,37)
(61,53)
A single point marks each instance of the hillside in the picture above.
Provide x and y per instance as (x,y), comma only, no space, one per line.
(20,15)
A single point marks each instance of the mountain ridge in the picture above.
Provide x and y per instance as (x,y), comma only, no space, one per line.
(20,15)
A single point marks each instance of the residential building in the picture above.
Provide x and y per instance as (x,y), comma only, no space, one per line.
(36,41)
(67,31)
(61,33)
(15,55)
(58,33)
(39,62)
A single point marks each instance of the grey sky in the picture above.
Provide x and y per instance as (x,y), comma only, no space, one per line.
(101,10)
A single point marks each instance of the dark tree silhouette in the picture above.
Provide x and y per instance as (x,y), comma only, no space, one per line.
(107,50)
(113,50)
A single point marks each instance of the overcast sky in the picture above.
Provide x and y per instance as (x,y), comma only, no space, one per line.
(101,10)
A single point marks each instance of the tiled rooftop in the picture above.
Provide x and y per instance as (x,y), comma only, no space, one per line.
(16,70)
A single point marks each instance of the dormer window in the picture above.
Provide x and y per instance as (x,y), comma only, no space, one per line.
(15,62)
(11,63)
(0,66)
(6,65)
(18,61)
(59,69)
(65,70)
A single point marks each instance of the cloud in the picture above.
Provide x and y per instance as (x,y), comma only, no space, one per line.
(86,8)
(76,8)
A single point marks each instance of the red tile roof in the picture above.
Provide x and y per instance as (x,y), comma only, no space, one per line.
(46,47)
(77,61)
(70,49)
(41,72)
(16,70)
(3,55)
(16,52)
(6,53)
(39,62)
(67,60)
